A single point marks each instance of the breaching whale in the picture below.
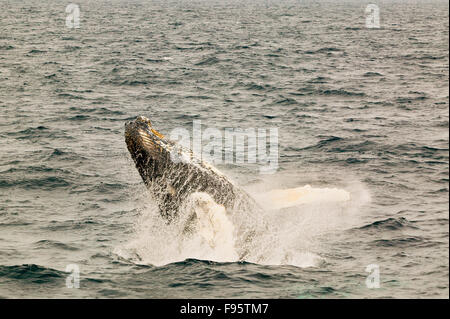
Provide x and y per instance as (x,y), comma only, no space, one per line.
(174,176)
(172,172)
(180,182)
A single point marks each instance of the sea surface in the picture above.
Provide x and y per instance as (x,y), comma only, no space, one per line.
(357,109)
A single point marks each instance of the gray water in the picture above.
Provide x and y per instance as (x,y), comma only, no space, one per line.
(364,110)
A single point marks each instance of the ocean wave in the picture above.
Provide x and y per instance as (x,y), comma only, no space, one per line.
(45,183)
(53,244)
(208,61)
(54,225)
(33,169)
(40,132)
(31,273)
(324,50)
(372,74)
(405,242)
(389,224)
(338,92)
(64,155)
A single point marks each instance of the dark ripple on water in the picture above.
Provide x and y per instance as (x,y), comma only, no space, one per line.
(33,273)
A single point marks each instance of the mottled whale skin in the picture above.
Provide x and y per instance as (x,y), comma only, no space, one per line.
(171,180)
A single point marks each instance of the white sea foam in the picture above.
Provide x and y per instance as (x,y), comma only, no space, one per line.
(204,230)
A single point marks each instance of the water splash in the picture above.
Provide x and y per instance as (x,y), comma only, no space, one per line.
(284,230)
(207,225)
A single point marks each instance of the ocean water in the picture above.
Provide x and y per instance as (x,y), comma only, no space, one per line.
(362,112)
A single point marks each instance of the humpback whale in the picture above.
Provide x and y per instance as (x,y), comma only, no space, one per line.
(175,176)
(172,173)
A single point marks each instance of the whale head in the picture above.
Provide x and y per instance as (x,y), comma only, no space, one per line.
(148,148)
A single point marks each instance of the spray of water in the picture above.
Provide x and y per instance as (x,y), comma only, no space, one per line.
(284,230)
